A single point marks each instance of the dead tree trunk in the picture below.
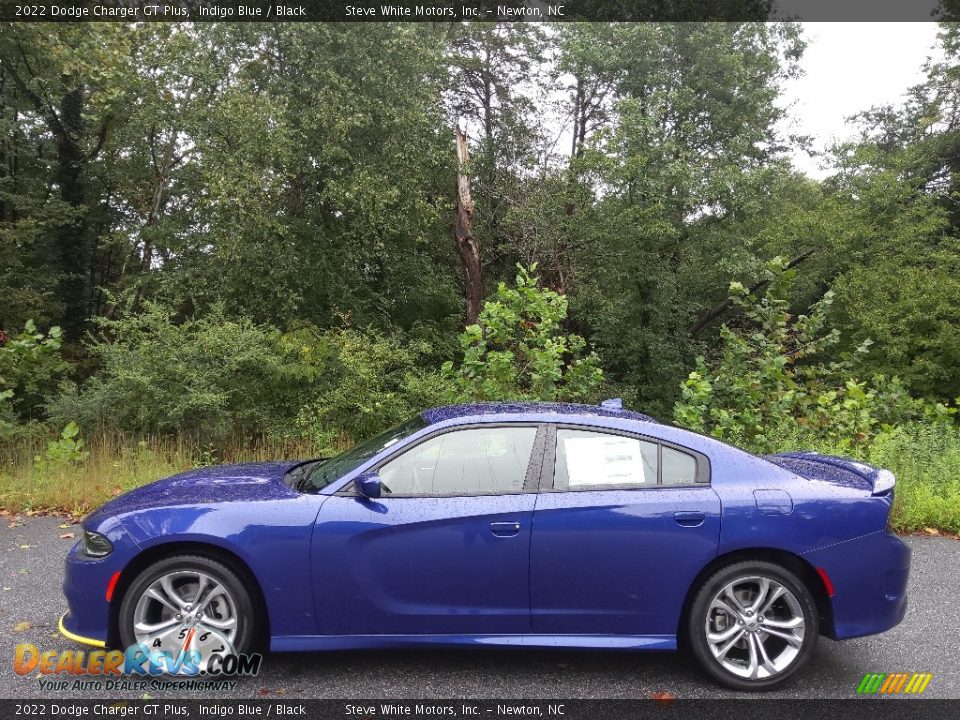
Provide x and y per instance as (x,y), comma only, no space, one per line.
(466,244)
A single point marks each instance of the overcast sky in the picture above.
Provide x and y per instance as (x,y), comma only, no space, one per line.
(849,67)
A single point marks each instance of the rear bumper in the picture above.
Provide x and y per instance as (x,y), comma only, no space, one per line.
(869,576)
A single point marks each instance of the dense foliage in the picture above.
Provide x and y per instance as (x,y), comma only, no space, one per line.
(30,364)
(229,231)
(519,350)
(771,380)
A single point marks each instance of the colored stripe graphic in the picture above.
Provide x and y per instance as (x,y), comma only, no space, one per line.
(894,683)
(918,683)
(871,683)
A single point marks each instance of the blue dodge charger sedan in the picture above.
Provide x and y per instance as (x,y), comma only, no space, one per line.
(503,524)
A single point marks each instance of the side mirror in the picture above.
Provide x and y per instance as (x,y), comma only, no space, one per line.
(368,484)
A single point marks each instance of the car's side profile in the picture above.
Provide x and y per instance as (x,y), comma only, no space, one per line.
(533,524)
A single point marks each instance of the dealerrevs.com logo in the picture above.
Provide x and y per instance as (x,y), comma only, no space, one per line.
(131,669)
(894,683)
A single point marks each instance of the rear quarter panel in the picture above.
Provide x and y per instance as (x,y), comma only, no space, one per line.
(836,529)
(764,505)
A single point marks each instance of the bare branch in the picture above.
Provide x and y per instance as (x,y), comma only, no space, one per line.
(718,310)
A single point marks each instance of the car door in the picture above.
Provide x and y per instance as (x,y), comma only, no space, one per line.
(622,526)
(445,549)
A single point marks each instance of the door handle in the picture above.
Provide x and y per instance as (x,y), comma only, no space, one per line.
(505,529)
(689,519)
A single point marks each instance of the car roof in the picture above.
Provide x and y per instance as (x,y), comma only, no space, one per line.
(450,412)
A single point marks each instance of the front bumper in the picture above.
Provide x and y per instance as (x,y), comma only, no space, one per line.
(69,635)
(869,576)
(85,583)
(84,586)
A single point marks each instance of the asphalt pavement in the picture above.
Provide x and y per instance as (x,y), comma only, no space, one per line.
(928,640)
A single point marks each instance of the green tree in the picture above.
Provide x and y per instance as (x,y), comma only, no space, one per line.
(61,93)
(323,181)
(771,380)
(895,260)
(689,148)
(519,349)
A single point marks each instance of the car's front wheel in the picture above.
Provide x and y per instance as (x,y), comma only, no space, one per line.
(753,625)
(188,602)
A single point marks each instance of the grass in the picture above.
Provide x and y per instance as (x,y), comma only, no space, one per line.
(117,463)
(925,459)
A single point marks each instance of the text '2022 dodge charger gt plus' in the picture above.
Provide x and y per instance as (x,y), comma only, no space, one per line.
(510,524)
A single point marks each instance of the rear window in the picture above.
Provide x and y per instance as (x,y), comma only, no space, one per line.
(589,459)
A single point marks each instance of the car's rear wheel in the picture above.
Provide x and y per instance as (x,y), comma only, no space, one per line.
(753,625)
(188,602)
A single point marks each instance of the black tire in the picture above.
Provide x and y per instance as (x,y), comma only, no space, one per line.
(696,624)
(246,609)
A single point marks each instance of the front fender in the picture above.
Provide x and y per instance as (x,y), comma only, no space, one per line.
(272,538)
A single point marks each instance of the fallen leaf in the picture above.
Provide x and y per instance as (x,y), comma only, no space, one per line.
(663,696)
(65,525)
(26,547)
(67,536)
(146,696)
(263,691)
(932,531)
(22,626)
(117,491)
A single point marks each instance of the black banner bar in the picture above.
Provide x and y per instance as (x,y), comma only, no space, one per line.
(873,708)
(474,10)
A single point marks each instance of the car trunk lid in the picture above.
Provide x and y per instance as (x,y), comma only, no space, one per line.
(837,470)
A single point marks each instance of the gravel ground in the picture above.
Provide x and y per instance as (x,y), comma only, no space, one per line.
(928,640)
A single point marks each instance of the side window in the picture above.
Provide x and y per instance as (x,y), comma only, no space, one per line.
(590,459)
(679,468)
(463,462)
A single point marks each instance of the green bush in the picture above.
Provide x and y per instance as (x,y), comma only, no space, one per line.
(30,367)
(65,451)
(519,349)
(769,383)
(216,379)
(365,382)
(210,377)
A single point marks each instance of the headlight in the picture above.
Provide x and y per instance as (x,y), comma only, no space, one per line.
(96,545)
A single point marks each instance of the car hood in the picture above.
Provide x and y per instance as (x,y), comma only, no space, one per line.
(215,484)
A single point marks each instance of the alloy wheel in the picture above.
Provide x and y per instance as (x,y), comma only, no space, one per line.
(186,610)
(754,627)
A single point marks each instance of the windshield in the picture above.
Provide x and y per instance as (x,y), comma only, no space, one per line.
(326,472)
